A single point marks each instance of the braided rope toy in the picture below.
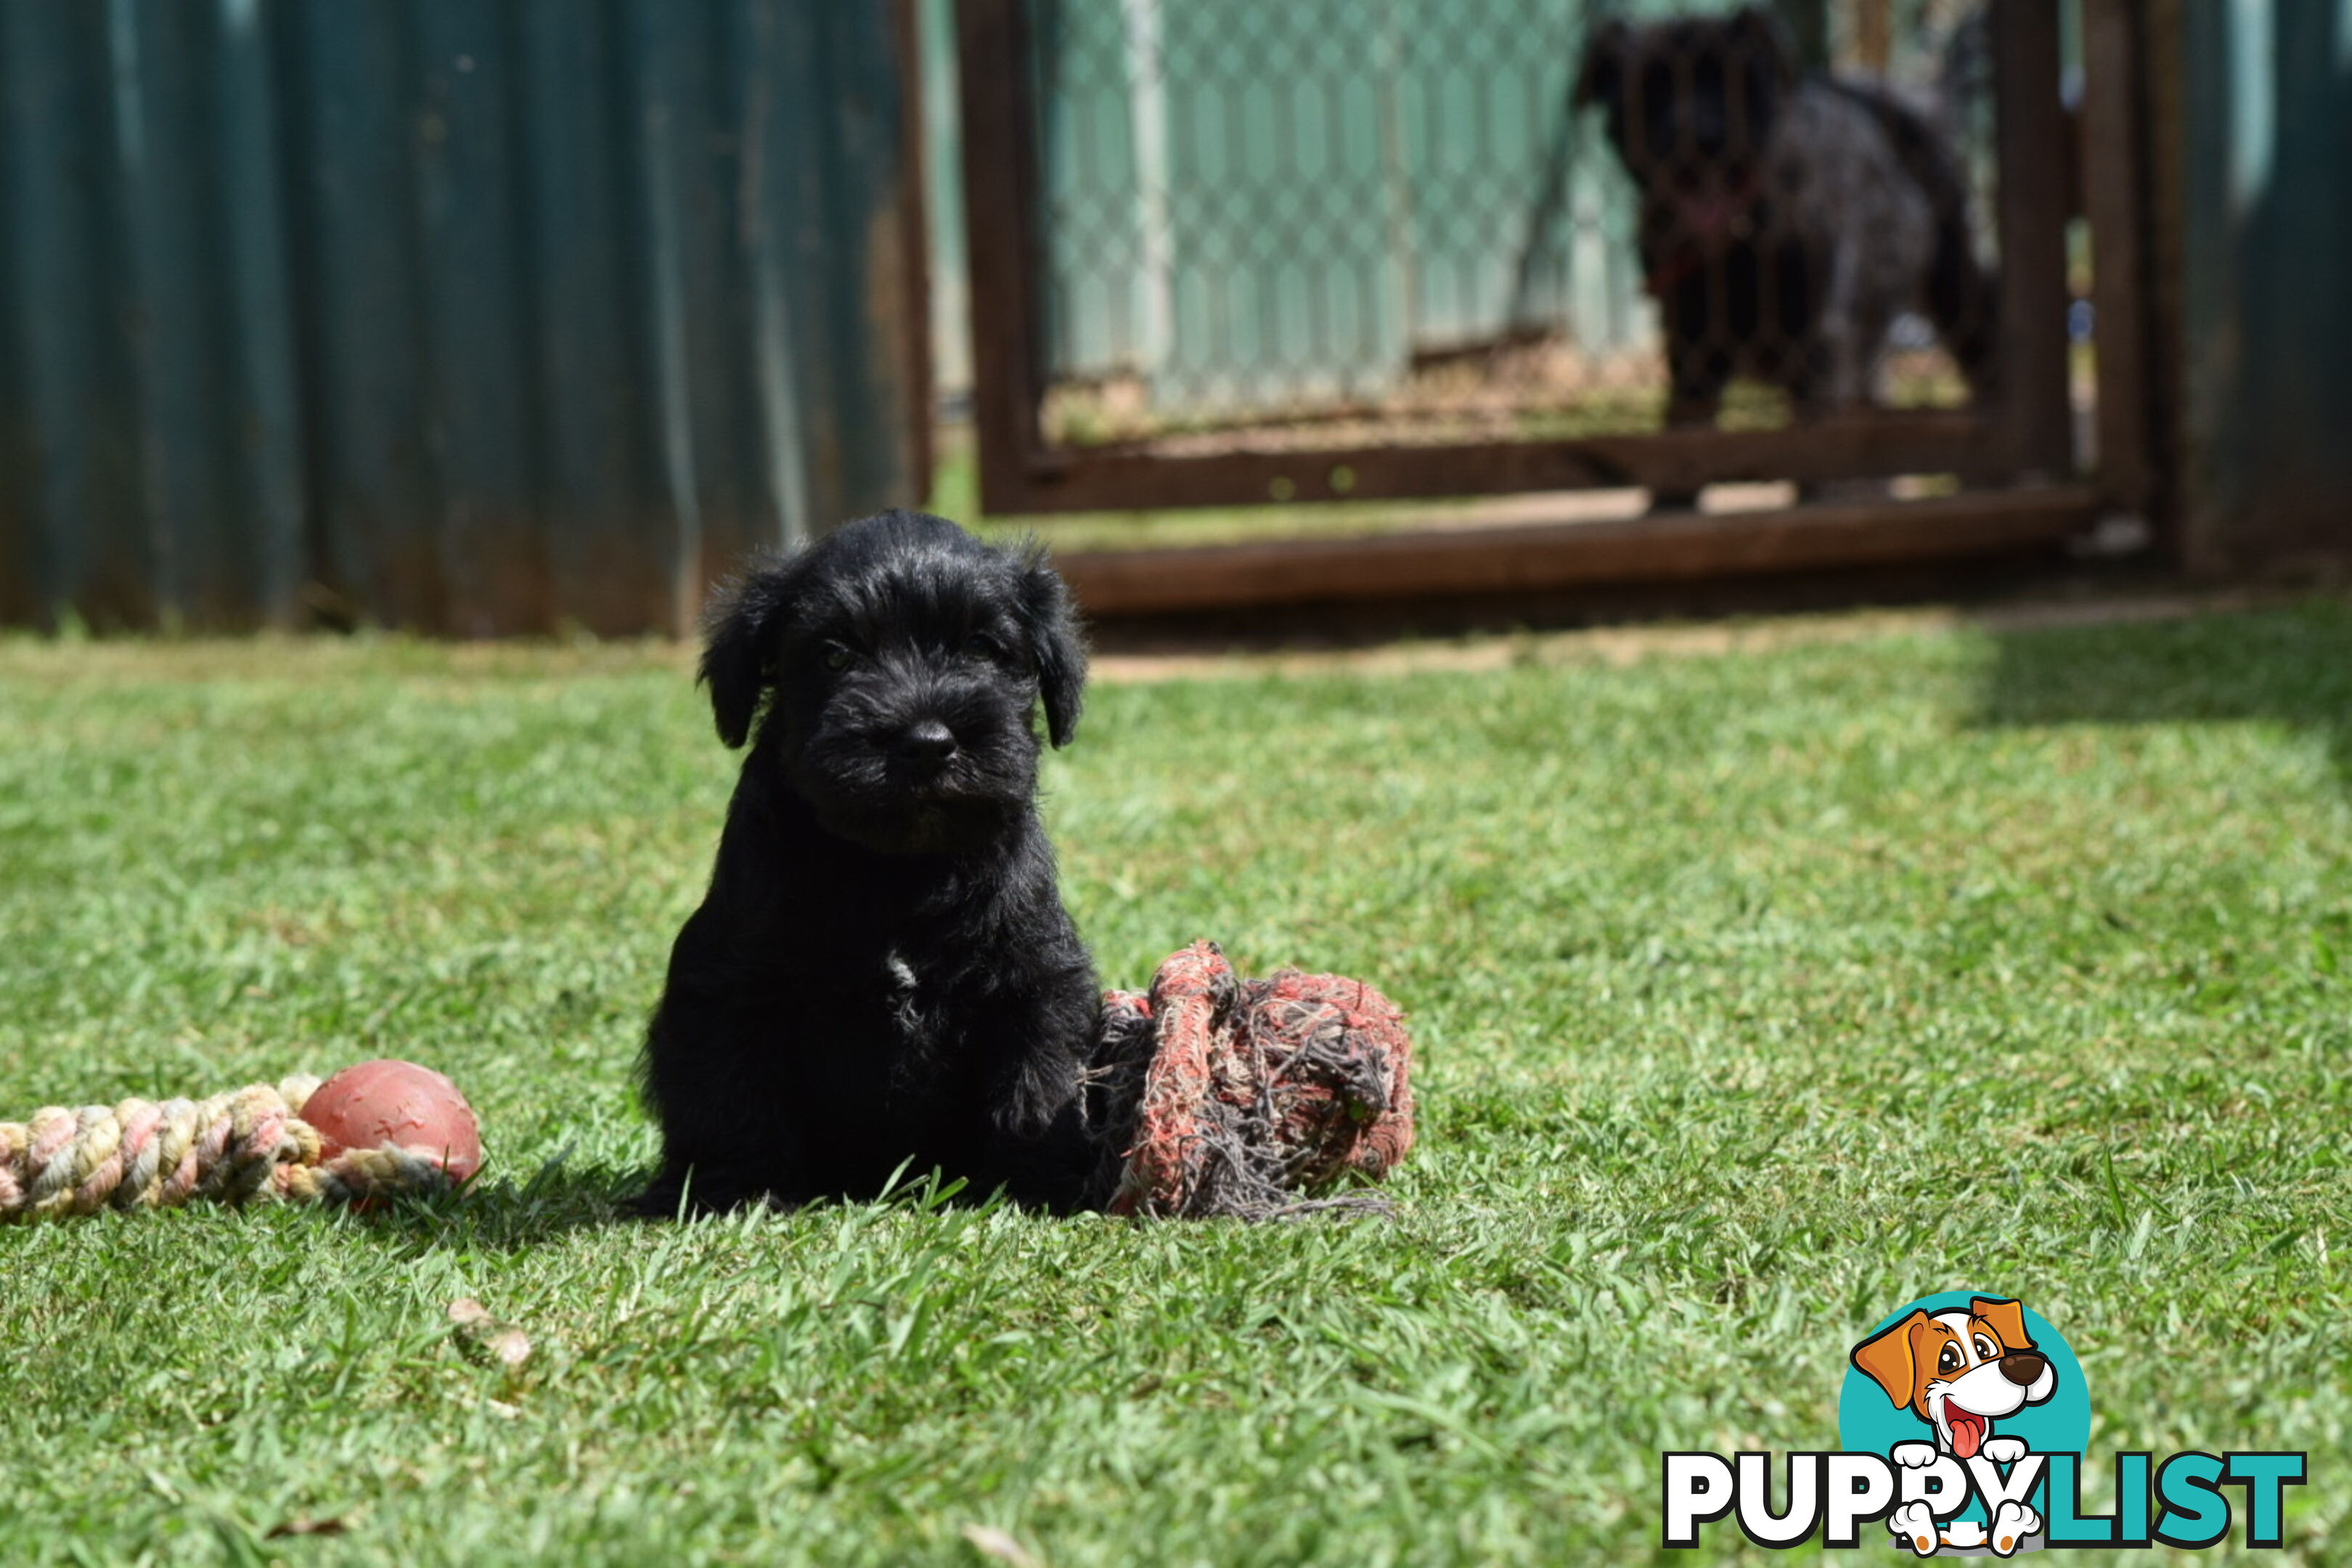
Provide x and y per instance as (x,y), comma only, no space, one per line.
(1213,1095)
(1228,1096)
(251,1144)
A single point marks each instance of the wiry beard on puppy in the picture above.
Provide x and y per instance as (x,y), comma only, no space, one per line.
(907,759)
(882,973)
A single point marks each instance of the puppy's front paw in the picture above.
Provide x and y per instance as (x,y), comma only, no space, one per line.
(2003,1450)
(697,1195)
(2011,1523)
(1913,1456)
(660,1200)
(1914,1525)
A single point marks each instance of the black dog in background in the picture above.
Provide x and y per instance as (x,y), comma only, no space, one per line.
(882,973)
(1786,220)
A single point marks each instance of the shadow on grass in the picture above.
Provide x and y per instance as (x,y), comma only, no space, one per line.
(507,1214)
(2290,663)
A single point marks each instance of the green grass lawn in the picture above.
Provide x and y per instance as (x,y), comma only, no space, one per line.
(1755,996)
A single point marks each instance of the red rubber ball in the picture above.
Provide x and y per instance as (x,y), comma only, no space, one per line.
(400,1103)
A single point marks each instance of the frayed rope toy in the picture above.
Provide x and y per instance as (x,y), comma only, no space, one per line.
(1216,1095)
(1237,1097)
(375,1131)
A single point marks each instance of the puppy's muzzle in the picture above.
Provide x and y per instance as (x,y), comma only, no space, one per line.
(2021,1367)
(925,747)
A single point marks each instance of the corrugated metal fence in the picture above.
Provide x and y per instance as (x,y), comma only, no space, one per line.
(2267,236)
(477,316)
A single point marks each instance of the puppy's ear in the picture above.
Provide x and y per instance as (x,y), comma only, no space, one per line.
(1758,33)
(1051,619)
(1885,1358)
(1601,77)
(2008,1321)
(743,626)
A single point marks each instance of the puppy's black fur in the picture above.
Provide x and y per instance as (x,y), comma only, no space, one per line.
(882,972)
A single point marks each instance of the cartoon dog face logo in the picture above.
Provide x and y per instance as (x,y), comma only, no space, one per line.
(1959,1372)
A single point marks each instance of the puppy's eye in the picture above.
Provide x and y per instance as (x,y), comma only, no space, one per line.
(837,656)
(1949,1360)
(1987,1350)
(980,644)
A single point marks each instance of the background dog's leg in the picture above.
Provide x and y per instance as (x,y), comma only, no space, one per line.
(1845,358)
(1699,369)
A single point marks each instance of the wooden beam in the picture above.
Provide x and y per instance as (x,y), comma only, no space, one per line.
(2115,177)
(1857,446)
(2035,409)
(1874,35)
(999,209)
(1424,565)
(918,393)
(918,396)
(2164,89)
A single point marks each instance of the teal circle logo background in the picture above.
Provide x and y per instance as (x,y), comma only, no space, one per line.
(1868,1421)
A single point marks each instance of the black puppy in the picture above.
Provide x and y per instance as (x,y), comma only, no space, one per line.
(882,972)
(1787,220)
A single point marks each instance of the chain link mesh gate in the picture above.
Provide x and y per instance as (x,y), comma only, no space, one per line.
(1227,252)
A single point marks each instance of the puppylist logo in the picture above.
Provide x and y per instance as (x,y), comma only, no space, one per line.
(1961,1427)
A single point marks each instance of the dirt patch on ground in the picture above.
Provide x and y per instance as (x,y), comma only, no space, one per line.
(282,656)
(1620,645)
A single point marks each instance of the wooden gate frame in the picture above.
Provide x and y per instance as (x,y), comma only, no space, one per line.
(2021,441)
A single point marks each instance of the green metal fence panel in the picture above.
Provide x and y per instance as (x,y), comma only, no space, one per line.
(475,316)
(2267,243)
(1281,215)
(1247,205)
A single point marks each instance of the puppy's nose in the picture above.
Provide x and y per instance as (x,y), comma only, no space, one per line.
(2021,1367)
(927,744)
